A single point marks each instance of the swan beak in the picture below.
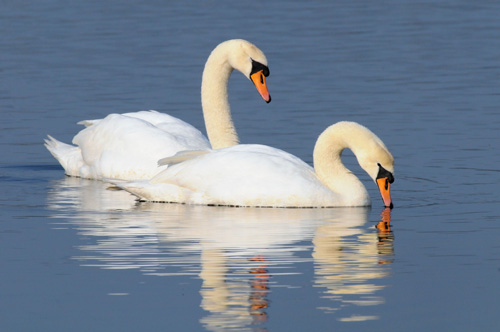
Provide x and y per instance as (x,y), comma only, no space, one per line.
(259,80)
(385,190)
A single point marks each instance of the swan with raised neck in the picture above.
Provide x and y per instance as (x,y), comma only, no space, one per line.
(232,54)
(128,146)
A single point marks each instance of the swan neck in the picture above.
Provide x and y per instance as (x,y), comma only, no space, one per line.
(332,172)
(214,98)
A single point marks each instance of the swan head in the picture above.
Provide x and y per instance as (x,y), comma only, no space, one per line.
(251,62)
(384,180)
(371,153)
(378,162)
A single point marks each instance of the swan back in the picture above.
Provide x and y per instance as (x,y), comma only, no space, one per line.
(242,175)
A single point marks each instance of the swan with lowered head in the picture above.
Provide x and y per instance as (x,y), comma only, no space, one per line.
(128,146)
(258,175)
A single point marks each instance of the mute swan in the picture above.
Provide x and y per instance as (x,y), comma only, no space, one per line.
(258,175)
(128,146)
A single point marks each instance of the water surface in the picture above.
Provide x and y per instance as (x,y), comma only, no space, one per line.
(422,75)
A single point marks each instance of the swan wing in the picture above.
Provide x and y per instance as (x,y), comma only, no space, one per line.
(172,125)
(181,156)
(242,175)
(126,146)
(88,123)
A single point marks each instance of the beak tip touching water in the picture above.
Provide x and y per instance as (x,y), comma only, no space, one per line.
(385,191)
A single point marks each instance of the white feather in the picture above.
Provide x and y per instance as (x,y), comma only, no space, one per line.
(128,146)
(258,175)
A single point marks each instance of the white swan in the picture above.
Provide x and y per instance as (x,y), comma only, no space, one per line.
(257,175)
(128,146)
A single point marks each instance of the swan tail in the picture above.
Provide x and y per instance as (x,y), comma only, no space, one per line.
(69,156)
(181,156)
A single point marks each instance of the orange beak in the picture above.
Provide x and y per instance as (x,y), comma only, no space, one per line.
(385,190)
(259,80)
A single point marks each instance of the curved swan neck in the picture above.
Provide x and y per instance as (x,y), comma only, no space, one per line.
(328,164)
(214,99)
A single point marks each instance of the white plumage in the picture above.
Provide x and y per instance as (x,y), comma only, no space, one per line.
(258,175)
(128,146)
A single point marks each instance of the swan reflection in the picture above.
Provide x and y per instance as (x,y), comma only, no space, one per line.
(240,254)
(348,261)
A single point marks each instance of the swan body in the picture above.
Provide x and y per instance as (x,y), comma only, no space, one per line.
(128,146)
(258,175)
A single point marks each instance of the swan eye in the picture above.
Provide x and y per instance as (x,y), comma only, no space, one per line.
(266,71)
(383,173)
(257,66)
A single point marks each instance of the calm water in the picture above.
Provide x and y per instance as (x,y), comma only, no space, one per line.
(422,75)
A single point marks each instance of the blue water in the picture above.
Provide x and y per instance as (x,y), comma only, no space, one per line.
(422,75)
